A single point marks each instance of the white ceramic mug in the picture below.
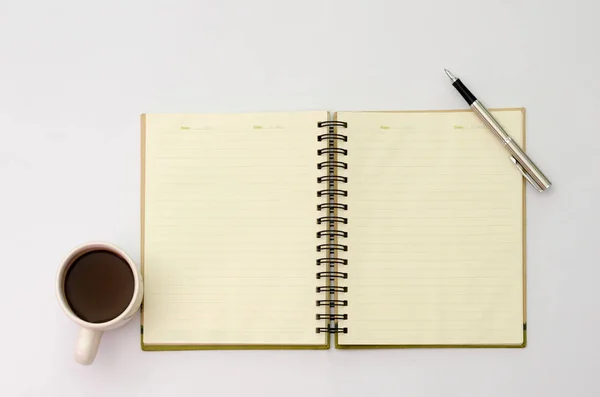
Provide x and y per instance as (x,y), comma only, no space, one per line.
(90,334)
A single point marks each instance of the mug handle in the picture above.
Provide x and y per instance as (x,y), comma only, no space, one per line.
(87,345)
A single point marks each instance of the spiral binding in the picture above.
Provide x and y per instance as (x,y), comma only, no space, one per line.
(332,221)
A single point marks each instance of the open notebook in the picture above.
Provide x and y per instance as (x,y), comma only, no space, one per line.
(275,230)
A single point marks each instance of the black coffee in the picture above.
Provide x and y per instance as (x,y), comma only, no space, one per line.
(99,286)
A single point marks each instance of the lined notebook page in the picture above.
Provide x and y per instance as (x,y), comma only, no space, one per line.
(230,229)
(435,230)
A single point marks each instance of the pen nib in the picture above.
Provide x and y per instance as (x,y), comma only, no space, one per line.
(450,75)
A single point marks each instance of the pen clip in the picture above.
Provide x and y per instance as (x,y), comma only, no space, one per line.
(525,174)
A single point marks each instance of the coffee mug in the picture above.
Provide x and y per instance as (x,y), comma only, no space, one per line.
(99,287)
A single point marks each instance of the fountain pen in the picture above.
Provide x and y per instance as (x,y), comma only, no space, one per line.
(517,156)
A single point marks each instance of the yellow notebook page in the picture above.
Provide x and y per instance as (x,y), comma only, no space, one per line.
(229,229)
(435,230)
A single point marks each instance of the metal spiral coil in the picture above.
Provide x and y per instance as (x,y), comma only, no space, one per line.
(332,247)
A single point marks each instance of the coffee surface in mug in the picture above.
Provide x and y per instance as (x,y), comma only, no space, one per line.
(99,286)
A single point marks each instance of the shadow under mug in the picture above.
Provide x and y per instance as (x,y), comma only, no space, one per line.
(90,334)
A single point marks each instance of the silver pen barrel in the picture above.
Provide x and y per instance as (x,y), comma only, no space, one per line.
(534,175)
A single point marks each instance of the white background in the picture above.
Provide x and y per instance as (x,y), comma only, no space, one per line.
(75,76)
